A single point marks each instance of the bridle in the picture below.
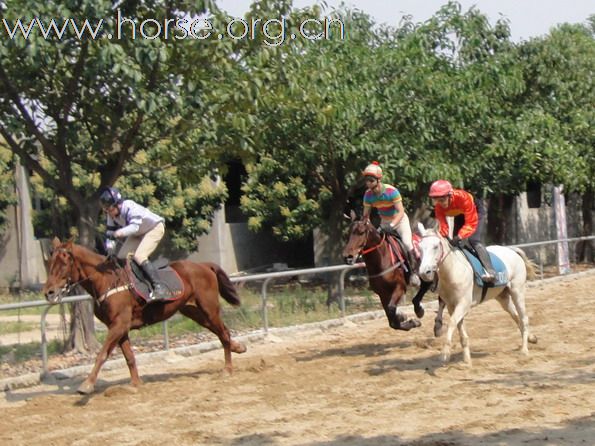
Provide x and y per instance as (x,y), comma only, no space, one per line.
(363,250)
(443,255)
(65,289)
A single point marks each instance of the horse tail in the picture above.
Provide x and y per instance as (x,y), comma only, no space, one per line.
(529,265)
(226,288)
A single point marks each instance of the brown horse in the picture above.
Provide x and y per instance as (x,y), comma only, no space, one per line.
(386,278)
(72,264)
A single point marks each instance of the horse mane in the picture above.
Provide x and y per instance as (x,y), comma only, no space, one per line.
(102,263)
(80,251)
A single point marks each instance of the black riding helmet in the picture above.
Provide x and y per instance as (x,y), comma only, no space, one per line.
(110,196)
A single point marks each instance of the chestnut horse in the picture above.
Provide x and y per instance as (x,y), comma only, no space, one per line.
(120,311)
(386,280)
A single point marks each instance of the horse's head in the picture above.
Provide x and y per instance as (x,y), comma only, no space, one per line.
(362,235)
(431,252)
(63,271)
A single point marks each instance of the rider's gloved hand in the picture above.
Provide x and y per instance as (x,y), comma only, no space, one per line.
(456,241)
(387,228)
(110,246)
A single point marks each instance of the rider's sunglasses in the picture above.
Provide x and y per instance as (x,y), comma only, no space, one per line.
(440,199)
(370,179)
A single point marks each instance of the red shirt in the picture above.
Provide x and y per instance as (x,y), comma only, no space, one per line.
(460,203)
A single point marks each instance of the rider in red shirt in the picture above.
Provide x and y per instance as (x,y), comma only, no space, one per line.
(468,215)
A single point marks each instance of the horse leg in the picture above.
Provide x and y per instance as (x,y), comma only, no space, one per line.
(395,319)
(114,334)
(214,323)
(464,337)
(416,301)
(438,320)
(130,360)
(513,303)
(456,316)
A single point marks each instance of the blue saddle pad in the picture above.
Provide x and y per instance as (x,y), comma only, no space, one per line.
(499,267)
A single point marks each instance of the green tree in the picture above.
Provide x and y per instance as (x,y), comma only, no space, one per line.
(87,112)
(7,185)
(558,71)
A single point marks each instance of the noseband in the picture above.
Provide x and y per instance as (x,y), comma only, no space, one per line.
(69,283)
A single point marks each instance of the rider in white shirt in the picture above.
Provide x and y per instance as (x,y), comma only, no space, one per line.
(141,229)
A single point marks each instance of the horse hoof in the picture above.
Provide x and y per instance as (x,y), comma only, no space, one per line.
(86,388)
(419,310)
(238,347)
(408,325)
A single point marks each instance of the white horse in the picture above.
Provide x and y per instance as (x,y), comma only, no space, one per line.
(457,289)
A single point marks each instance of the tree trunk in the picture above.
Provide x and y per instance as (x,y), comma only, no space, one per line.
(333,250)
(584,248)
(82,323)
(499,211)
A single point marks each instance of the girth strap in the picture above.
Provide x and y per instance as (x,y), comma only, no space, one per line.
(113,291)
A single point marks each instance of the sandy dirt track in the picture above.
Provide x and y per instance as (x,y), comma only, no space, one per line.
(361,384)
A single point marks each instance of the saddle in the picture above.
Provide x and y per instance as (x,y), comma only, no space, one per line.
(499,267)
(397,249)
(141,286)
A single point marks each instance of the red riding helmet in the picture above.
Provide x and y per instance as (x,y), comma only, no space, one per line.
(373,170)
(440,188)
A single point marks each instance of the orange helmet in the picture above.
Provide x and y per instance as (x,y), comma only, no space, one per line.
(373,170)
(440,188)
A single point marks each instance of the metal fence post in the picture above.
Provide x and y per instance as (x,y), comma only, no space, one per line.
(265,317)
(342,292)
(44,341)
(165,335)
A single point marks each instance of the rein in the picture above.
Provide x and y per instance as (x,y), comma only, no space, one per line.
(374,248)
(69,284)
(442,255)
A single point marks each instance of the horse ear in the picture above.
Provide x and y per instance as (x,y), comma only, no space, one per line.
(421,228)
(56,242)
(69,243)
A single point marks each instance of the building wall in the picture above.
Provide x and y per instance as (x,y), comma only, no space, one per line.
(539,224)
(22,263)
(237,249)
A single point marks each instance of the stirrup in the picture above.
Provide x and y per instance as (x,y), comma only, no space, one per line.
(488,277)
(162,294)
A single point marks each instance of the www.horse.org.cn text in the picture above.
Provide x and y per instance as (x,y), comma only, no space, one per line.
(271,31)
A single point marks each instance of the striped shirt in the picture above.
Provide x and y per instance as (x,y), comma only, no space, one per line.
(383,202)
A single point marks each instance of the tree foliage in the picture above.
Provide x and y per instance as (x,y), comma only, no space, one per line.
(84,113)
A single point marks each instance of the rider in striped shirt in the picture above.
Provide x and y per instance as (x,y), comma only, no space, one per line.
(393,218)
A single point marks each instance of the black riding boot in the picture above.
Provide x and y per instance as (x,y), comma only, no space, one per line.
(484,258)
(160,291)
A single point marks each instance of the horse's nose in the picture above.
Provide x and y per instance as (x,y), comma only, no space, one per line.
(50,296)
(425,274)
